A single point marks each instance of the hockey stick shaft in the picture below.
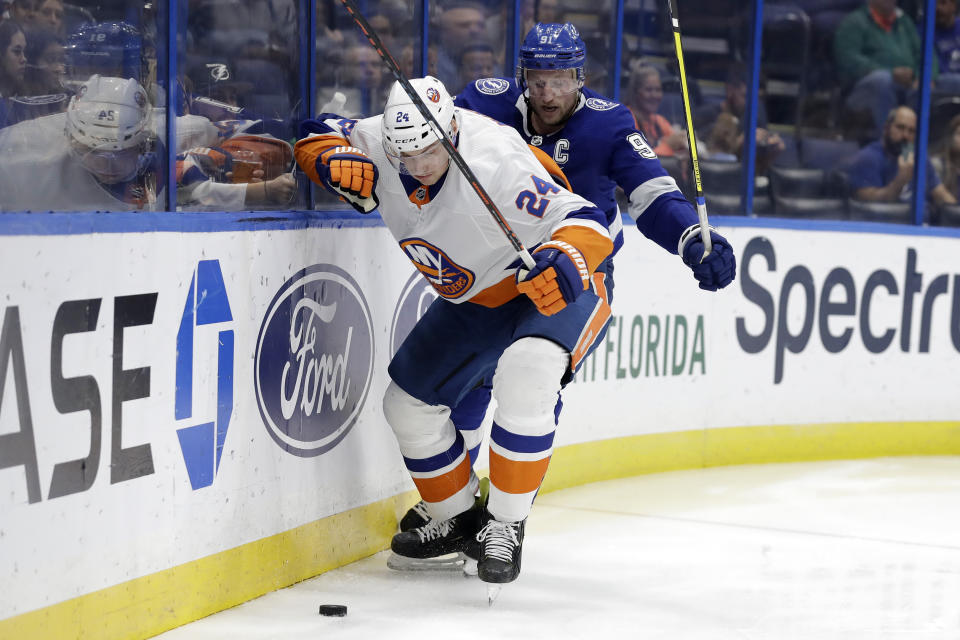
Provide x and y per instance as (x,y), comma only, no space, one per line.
(691,138)
(440,132)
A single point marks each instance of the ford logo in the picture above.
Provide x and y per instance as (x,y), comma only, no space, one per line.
(314,360)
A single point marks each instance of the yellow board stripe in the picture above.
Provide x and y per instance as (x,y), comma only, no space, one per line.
(655,453)
(147,606)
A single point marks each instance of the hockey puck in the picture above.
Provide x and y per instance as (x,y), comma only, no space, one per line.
(336,610)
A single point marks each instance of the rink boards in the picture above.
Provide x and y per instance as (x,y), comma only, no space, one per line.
(189,420)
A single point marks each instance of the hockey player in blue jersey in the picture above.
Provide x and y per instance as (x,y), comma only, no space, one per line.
(597,145)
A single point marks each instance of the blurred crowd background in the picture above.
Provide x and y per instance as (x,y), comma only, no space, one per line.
(838,84)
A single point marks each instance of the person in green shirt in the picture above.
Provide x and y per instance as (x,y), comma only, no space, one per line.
(877,52)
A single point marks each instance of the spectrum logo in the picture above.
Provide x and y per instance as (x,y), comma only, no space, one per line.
(314,360)
(206,321)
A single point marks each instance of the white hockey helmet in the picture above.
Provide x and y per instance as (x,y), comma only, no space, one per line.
(405,130)
(107,122)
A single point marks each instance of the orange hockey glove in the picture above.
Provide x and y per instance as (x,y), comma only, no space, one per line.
(350,174)
(559,277)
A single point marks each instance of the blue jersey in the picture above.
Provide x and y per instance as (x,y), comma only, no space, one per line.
(598,148)
(946,42)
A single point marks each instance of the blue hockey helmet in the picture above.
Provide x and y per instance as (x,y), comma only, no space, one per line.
(551,46)
(106,49)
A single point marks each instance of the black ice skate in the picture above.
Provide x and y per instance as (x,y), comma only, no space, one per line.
(417,515)
(501,544)
(439,544)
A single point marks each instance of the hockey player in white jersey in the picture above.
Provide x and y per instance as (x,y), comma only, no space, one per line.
(597,145)
(492,316)
(101,154)
(104,154)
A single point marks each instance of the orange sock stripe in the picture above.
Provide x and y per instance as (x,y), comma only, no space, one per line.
(443,486)
(599,318)
(511,476)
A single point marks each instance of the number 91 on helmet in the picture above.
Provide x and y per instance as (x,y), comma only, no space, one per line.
(551,47)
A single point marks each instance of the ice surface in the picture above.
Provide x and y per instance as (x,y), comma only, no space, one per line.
(850,550)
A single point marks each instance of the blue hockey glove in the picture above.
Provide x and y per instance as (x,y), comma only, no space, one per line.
(558,278)
(718,269)
(350,174)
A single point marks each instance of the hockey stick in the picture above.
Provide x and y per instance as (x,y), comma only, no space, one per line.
(701,202)
(439,131)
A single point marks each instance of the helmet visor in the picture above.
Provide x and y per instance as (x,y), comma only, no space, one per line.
(543,84)
(422,163)
(109,165)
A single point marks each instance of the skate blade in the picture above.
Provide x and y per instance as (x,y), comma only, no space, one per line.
(449,562)
(493,590)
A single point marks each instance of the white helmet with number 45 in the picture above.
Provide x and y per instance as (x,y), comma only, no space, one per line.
(405,130)
(107,123)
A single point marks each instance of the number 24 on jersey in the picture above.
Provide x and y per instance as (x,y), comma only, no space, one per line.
(536,203)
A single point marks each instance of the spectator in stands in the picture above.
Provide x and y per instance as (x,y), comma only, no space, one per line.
(46,65)
(260,29)
(535,11)
(531,12)
(883,170)
(360,79)
(768,144)
(946,43)
(726,139)
(362,67)
(386,28)
(23,12)
(363,71)
(476,61)
(13,59)
(405,60)
(461,23)
(947,162)
(877,52)
(50,16)
(42,91)
(644,95)
(329,43)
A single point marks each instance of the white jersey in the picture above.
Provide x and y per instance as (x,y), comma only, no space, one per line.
(37,172)
(453,239)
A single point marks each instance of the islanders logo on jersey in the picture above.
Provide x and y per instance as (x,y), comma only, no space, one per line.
(433,95)
(598,104)
(449,279)
(492,86)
